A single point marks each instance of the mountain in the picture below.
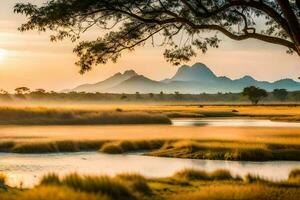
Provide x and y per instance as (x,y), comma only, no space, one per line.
(188,79)
(106,84)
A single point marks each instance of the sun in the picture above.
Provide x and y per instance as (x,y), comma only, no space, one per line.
(2,54)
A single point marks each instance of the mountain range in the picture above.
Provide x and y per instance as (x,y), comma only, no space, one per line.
(188,79)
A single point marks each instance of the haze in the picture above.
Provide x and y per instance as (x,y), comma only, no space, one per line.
(30,59)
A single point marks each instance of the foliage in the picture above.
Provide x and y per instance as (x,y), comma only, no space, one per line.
(131,23)
(280,94)
(254,94)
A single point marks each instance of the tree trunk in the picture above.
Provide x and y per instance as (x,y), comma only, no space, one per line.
(292,21)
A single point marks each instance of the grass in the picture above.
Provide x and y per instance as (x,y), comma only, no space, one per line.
(193,149)
(187,184)
(51,147)
(56,116)
(228,150)
(193,174)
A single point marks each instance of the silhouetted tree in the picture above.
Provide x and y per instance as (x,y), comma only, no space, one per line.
(151,95)
(3,92)
(22,90)
(280,94)
(138,95)
(130,23)
(254,94)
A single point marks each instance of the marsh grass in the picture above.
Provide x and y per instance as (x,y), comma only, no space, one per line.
(194,149)
(103,185)
(193,174)
(240,192)
(54,147)
(294,176)
(56,116)
(52,193)
(228,150)
(118,147)
(137,182)
(188,184)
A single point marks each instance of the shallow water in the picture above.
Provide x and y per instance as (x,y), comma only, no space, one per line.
(29,168)
(234,123)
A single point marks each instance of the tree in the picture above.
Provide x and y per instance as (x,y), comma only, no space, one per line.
(254,94)
(280,94)
(22,90)
(3,92)
(130,23)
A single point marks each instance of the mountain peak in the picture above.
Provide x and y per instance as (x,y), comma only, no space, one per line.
(197,72)
(130,73)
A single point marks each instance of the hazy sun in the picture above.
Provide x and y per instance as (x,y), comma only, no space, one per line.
(2,54)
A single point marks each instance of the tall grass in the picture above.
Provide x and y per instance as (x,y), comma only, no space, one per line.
(52,193)
(228,150)
(193,174)
(240,192)
(103,185)
(118,147)
(52,116)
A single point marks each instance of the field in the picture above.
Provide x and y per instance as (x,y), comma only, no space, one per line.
(120,135)
(185,184)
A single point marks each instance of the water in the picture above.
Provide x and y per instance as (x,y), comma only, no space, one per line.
(234,123)
(29,168)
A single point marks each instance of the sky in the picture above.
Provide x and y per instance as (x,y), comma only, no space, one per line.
(30,59)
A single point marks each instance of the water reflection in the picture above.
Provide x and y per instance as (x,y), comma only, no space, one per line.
(233,123)
(29,168)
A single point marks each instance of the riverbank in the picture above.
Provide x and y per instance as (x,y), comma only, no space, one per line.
(193,149)
(185,184)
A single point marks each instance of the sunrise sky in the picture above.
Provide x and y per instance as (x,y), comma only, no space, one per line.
(30,59)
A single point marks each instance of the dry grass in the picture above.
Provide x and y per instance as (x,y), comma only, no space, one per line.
(56,116)
(241,192)
(228,150)
(187,184)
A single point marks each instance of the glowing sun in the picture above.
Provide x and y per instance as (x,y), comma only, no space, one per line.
(2,54)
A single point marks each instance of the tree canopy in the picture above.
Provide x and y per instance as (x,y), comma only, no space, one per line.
(126,24)
(254,94)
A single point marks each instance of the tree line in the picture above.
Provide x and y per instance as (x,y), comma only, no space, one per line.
(252,94)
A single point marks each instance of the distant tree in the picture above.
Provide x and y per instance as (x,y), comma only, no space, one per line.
(280,94)
(130,23)
(151,95)
(22,90)
(3,92)
(161,95)
(254,94)
(123,97)
(138,95)
(178,95)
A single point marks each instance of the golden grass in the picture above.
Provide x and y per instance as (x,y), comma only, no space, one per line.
(56,116)
(228,150)
(187,184)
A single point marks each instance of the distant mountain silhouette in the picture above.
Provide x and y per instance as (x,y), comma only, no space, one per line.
(195,79)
